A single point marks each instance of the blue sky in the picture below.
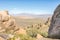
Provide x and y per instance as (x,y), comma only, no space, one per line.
(29,6)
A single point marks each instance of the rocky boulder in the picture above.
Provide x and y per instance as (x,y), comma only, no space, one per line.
(7,22)
(39,36)
(2,38)
(21,31)
(8,26)
(54,29)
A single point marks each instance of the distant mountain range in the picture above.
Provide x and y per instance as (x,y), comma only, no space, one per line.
(27,14)
(31,16)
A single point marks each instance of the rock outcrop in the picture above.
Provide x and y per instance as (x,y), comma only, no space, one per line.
(54,29)
(7,22)
(21,31)
(39,36)
(2,38)
(8,26)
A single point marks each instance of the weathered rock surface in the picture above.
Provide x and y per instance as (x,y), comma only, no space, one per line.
(2,38)
(7,24)
(39,36)
(21,31)
(6,21)
(54,29)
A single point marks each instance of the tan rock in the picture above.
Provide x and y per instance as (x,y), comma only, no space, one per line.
(5,18)
(7,22)
(10,23)
(5,12)
(2,38)
(21,31)
(4,15)
(11,36)
(39,37)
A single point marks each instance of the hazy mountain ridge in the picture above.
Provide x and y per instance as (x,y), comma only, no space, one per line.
(26,15)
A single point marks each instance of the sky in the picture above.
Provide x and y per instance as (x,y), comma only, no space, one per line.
(29,6)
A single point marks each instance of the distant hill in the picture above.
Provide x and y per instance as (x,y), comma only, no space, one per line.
(28,14)
(32,16)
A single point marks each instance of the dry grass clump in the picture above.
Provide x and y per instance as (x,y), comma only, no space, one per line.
(21,37)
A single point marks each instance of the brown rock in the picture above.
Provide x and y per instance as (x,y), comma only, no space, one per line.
(39,37)
(5,12)
(21,31)
(7,22)
(2,38)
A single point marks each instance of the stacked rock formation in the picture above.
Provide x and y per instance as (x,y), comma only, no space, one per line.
(8,27)
(7,22)
(54,29)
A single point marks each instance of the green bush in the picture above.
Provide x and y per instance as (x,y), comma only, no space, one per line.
(44,34)
(25,37)
(32,33)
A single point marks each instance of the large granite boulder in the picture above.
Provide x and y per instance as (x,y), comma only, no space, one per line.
(54,29)
(8,26)
(7,22)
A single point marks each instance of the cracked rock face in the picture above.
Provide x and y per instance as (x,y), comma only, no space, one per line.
(8,26)
(54,29)
(6,21)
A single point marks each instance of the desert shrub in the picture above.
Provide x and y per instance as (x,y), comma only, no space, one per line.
(25,37)
(44,34)
(22,37)
(38,27)
(11,38)
(48,20)
(31,26)
(32,33)
(28,27)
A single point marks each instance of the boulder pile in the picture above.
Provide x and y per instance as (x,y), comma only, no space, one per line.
(8,26)
(7,23)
